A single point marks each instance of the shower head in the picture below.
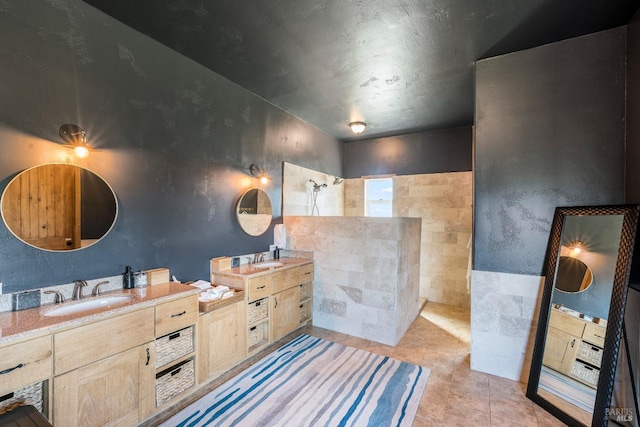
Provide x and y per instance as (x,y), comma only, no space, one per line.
(336,180)
(317,187)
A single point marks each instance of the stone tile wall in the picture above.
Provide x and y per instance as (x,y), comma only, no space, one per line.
(354,197)
(366,273)
(504,318)
(297,192)
(444,202)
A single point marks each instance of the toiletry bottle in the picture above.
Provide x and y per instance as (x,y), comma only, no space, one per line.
(128,281)
(276,253)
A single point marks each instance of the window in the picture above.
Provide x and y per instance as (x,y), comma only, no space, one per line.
(378,195)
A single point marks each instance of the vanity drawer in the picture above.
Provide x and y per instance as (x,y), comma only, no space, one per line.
(594,334)
(566,323)
(259,287)
(284,279)
(305,273)
(175,315)
(25,363)
(86,344)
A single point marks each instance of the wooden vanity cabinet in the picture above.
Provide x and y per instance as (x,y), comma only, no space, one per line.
(285,312)
(116,391)
(574,347)
(560,350)
(222,340)
(289,306)
(104,371)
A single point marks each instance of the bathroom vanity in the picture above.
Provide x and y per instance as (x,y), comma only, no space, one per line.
(121,364)
(278,296)
(574,347)
(103,366)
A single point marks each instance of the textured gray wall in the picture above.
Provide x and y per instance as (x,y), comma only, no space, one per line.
(549,132)
(175,142)
(447,150)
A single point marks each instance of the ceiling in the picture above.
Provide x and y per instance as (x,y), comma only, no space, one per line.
(401,66)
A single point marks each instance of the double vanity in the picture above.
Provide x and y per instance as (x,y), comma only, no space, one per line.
(124,356)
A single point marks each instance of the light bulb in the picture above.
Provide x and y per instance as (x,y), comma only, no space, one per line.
(81,151)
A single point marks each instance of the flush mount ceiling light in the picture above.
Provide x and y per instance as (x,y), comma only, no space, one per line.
(357,127)
(75,137)
(259,172)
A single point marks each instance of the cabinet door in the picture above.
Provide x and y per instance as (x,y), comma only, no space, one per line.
(116,391)
(285,312)
(222,340)
(560,350)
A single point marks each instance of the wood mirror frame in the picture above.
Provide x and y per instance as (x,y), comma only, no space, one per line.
(59,207)
(254,212)
(611,348)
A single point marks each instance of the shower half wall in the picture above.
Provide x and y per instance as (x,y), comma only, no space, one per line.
(367,273)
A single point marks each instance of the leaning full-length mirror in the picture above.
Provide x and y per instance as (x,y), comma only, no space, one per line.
(254,212)
(58,207)
(581,313)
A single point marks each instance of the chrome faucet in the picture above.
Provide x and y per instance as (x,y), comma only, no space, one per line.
(96,289)
(77,289)
(58,298)
(258,257)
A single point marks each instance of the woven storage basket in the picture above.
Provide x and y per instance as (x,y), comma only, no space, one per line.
(584,372)
(258,334)
(30,395)
(590,353)
(258,310)
(173,381)
(173,346)
(305,311)
(305,291)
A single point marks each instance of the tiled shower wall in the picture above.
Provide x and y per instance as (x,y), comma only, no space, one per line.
(443,202)
(366,273)
(297,192)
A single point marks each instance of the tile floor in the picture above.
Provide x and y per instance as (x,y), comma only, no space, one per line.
(455,395)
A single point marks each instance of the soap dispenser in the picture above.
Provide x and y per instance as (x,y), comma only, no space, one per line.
(128,280)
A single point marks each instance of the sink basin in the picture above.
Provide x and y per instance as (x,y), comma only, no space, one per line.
(268,264)
(89,305)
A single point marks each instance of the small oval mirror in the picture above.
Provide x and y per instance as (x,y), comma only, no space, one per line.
(58,207)
(254,212)
(573,275)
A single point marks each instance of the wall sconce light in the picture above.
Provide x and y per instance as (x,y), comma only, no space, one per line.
(75,137)
(259,172)
(357,127)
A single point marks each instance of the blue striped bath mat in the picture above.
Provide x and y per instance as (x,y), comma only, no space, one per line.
(313,382)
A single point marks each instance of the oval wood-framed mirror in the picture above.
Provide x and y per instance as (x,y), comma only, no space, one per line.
(59,207)
(254,212)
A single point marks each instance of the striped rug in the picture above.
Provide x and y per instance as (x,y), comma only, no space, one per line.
(313,382)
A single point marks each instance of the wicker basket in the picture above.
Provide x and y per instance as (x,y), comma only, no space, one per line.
(585,373)
(258,310)
(305,311)
(30,395)
(173,381)
(305,291)
(173,346)
(590,353)
(258,334)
